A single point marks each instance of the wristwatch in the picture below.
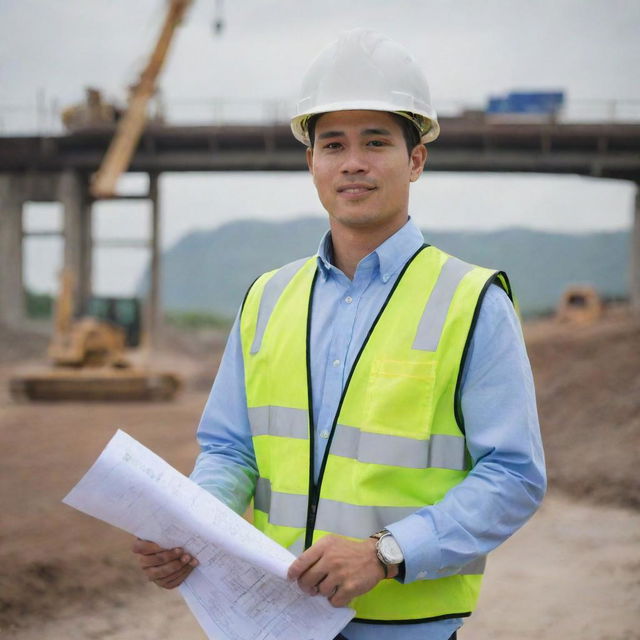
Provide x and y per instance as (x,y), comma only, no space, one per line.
(387,549)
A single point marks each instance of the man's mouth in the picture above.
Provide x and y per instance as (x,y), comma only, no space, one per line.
(355,189)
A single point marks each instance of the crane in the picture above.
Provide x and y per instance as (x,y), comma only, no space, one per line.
(129,128)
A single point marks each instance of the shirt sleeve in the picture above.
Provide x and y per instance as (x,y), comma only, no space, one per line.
(507,481)
(226,465)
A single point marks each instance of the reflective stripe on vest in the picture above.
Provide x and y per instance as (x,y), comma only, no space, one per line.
(284,422)
(270,296)
(442,451)
(437,307)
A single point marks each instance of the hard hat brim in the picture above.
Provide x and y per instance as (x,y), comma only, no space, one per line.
(427,124)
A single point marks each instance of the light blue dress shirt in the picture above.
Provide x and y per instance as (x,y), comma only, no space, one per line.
(507,481)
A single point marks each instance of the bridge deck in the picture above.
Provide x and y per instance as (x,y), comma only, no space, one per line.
(604,150)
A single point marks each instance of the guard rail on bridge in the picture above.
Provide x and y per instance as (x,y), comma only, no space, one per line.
(44,116)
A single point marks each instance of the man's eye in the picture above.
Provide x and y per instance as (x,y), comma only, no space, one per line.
(376,143)
(332,145)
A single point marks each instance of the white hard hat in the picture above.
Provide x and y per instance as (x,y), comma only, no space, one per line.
(366,70)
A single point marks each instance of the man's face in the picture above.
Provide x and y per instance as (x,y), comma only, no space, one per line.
(362,170)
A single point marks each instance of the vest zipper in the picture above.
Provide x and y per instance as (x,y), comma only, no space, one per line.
(315,488)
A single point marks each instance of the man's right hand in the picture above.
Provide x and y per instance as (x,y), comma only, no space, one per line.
(168,568)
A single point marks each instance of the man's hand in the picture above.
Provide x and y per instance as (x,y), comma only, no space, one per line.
(166,567)
(339,569)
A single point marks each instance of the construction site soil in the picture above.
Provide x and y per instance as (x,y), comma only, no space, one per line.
(573,572)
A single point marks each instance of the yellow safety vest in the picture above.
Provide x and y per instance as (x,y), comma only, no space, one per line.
(397,443)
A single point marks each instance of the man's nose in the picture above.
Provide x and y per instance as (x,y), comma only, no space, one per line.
(354,161)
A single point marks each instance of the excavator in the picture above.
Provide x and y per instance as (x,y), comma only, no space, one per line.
(88,355)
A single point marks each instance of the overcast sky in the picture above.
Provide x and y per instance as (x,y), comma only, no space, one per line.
(469,49)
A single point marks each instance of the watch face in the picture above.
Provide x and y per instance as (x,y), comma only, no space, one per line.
(390,550)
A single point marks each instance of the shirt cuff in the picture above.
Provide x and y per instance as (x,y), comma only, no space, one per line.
(418,540)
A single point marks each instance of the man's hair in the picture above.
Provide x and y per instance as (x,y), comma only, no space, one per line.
(409,130)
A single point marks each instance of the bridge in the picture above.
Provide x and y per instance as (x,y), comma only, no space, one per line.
(607,150)
(58,168)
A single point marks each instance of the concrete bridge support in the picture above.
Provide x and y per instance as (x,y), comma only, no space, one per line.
(11,290)
(634,276)
(72,192)
(153,305)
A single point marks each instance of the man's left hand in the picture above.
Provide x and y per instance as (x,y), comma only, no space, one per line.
(339,569)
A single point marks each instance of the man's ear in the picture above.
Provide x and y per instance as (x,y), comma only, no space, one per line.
(416,161)
(310,159)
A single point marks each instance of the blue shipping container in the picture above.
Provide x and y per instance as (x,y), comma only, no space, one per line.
(542,103)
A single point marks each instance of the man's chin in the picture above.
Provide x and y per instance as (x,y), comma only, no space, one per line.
(364,221)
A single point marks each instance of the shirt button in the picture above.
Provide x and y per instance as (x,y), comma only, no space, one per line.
(324,434)
(421,574)
(336,363)
(385,277)
(348,299)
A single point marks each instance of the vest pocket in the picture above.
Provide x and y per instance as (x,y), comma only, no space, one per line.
(400,398)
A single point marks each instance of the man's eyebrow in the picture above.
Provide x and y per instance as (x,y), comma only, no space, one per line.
(364,132)
(330,134)
(376,132)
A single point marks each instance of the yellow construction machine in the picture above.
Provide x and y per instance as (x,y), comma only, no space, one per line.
(132,123)
(88,354)
(88,358)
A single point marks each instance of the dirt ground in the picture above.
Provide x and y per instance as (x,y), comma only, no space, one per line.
(573,572)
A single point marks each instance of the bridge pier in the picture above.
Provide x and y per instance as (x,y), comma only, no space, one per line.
(72,192)
(634,275)
(153,306)
(11,289)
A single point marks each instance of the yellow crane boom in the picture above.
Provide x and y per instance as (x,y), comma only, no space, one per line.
(129,128)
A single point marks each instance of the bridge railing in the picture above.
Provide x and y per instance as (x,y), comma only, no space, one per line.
(44,117)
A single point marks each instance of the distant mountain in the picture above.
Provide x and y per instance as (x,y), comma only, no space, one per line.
(211,270)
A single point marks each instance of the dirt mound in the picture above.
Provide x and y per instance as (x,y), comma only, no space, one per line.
(588,388)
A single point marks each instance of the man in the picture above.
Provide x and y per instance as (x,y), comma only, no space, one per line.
(375,400)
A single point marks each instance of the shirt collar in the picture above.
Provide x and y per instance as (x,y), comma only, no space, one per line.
(391,255)
(325,255)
